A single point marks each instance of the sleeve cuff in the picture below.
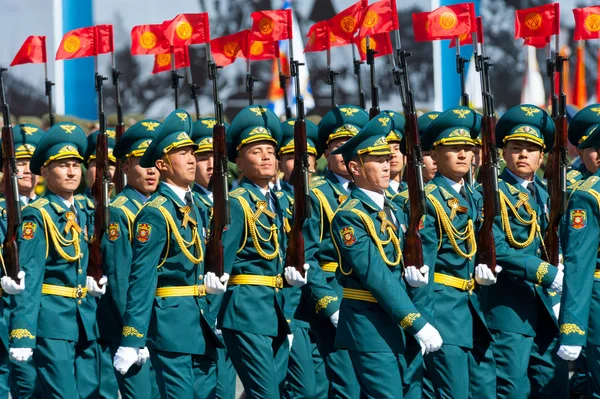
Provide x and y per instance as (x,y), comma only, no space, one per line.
(133,338)
(327,306)
(21,338)
(413,323)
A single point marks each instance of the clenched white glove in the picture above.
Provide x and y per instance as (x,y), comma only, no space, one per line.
(125,358)
(335,318)
(569,352)
(11,287)
(557,284)
(20,354)
(290,340)
(215,285)
(293,276)
(96,289)
(484,276)
(429,338)
(417,278)
(143,356)
(556,310)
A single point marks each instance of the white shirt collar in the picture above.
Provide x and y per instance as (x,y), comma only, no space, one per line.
(68,203)
(26,200)
(395,185)
(456,186)
(141,196)
(267,194)
(345,182)
(180,192)
(524,183)
(378,198)
(208,193)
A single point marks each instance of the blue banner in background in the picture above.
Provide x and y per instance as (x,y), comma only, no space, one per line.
(450,78)
(80,94)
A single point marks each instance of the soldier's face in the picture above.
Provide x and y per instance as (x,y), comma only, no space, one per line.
(430,167)
(336,162)
(204,168)
(522,158)
(590,158)
(397,160)
(373,174)
(63,176)
(27,180)
(453,161)
(180,167)
(257,161)
(144,180)
(286,166)
(90,173)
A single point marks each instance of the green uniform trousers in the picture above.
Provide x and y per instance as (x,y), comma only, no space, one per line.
(581,381)
(593,358)
(24,380)
(412,377)
(306,373)
(108,380)
(138,382)
(182,375)
(4,372)
(226,380)
(260,362)
(548,373)
(67,369)
(511,353)
(379,374)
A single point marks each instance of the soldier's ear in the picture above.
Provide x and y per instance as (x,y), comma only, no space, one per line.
(238,162)
(44,171)
(353,168)
(161,165)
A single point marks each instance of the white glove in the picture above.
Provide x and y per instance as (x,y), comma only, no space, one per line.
(429,338)
(417,278)
(335,318)
(215,285)
(20,354)
(93,288)
(557,284)
(125,358)
(569,352)
(290,339)
(484,276)
(11,287)
(556,310)
(143,356)
(293,276)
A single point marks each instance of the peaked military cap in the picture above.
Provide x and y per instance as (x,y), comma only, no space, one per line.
(254,123)
(92,139)
(526,122)
(137,139)
(459,125)
(202,133)
(423,123)
(371,140)
(64,140)
(584,127)
(174,133)
(26,136)
(343,121)
(287,137)
(397,133)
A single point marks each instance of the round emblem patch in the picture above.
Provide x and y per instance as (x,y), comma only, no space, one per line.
(533,21)
(148,40)
(257,48)
(163,59)
(448,20)
(348,24)
(266,25)
(592,22)
(183,30)
(72,44)
(231,49)
(370,20)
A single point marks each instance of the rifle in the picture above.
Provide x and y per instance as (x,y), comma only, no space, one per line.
(11,189)
(119,180)
(218,183)
(175,76)
(413,252)
(100,189)
(283,86)
(193,91)
(295,255)
(250,82)
(557,165)
(464,96)
(486,248)
(361,93)
(331,74)
(374,111)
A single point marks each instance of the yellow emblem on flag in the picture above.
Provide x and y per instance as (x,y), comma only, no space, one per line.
(163,59)
(148,40)
(72,44)
(533,21)
(592,22)
(231,49)
(266,25)
(183,30)
(256,48)
(448,20)
(370,20)
(348,24)
(363,44)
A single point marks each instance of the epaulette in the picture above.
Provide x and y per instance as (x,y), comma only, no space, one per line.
(573,175)
(429,188)
(237,192)
(39,203)
(317,183)
(279,194)
(349,205)
(446,194)
(60,209)
(589,183)
(403,194)
(316,178)
(157,202)
(513,190)
(119,202)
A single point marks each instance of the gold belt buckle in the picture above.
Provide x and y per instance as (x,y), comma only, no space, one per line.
(79,292)
(470,286)
(278,281)
(201,290)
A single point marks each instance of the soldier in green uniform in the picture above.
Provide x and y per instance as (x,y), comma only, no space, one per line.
(327,194)
(580,234)
(138,382)
(166,298)
(518,307)
(375,305)
(447,293)
(54,318)
(587,156)
(394,139)
(202,135)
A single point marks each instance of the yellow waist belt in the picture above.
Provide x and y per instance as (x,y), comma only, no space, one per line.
(597,274)
(249,279)
(359,295)
(67,292)
(329,266)
(454,282)
(188,290)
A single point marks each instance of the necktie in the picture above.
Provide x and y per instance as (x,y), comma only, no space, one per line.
(532,191)
(350,187)
(388,213)
(463,193)
(188,198)
(72,208)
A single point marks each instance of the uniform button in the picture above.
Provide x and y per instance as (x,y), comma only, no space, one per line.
(200,277)
(79,302)
(80,271)
(276,289)
(202,311)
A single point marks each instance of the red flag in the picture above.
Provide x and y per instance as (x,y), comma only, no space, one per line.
(537,21)
(598,76)
(379,42)
(187,29)
(149,39)
(77,43)
(162,62)
(587,23)
(317,38)
(379,17)
(451,21)
(105,42)
(345,24)
(33,51)
(271,25)
(579,88)
(226,49)
(467,38)
(260,50)
(537,42)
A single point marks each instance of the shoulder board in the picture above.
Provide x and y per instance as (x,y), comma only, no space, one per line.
(403,194)
(61,209)
(119,202)
(543,182)
(446,194)
(349,205)
(279,194)
(315,178)
(429,188)
(39,203)
(90,203)
(317,183)
(157,202)
(237,192)
(513,190)
(589,183)
(573,175)
(80,197)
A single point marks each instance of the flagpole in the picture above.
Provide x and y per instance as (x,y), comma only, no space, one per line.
(250,81)
(357,64)
(49,85)
(175,78)
(374,111)
(330,73)
(460,69)
(283,85)
(193,90)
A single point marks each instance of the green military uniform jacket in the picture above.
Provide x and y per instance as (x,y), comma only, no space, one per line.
(580,235)
(576,176)
(455,313)
(254,245)
(4,303)
(167,254)
(52,260)
(370,261)
(512,304)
